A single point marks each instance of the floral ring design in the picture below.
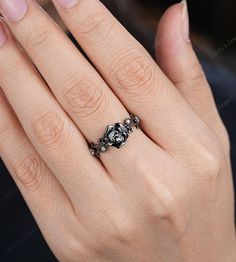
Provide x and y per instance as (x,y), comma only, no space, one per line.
(115,135)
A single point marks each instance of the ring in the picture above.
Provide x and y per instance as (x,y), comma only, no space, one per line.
(115,135)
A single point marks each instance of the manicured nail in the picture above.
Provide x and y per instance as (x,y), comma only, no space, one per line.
(67,3)
(13,10)
(185,21)
(3,35)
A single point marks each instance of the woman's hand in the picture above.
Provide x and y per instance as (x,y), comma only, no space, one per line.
(167,194)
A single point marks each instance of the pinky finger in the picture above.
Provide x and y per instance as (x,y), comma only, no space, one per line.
(44,195)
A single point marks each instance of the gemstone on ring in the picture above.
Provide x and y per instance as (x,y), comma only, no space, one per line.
(115,135)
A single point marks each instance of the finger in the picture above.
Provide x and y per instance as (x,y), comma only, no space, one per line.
(76,84)
(42,192)
(176,57)
(51,131)
(131,73)
(73,80)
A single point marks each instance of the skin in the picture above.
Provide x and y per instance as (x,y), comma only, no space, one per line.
(166,195)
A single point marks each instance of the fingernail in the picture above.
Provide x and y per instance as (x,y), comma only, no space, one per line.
(3,35)
(13,10)
(185,21)
(67,3)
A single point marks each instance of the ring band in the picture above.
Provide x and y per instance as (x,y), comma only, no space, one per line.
(115,135)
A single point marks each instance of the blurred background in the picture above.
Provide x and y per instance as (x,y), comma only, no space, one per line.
(213,24)
(213,33)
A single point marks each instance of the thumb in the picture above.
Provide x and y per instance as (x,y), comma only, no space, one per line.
(178,60)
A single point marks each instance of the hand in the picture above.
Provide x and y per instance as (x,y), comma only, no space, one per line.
(167,194)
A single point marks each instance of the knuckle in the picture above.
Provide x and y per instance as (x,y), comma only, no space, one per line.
(10,69)
(84,97)
(48,129)
(37,37)
(6,129)
(124,230)
(163,205)
(225,139)
(204,162)
(133,76)
(29,171)
(212,163)
(165,209)
(120,227)
(94,26)
(75,250)
(197,78)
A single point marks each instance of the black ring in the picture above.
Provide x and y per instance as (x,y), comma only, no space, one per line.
(115,135)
